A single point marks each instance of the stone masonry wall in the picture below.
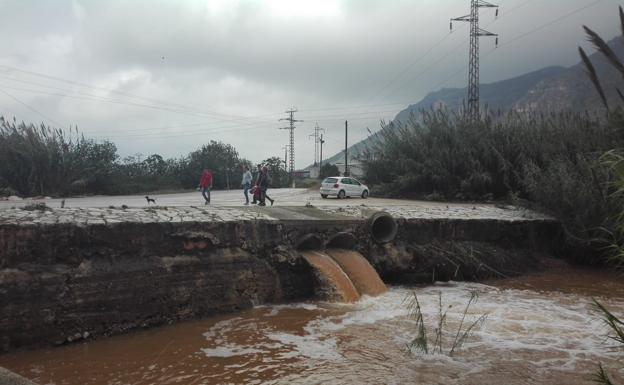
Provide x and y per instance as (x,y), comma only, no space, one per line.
(72,274)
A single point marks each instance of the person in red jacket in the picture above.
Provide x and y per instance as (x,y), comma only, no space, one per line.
(205,184)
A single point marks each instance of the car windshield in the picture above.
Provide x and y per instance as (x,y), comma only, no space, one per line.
(330,180)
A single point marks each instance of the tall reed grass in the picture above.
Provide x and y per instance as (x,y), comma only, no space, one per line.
(40,160)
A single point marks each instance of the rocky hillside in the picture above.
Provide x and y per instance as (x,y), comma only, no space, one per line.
(548,89)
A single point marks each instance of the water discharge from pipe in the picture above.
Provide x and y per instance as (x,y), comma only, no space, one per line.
(363,276)
(335,284)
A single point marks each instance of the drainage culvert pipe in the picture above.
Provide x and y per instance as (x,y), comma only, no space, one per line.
(309,242)
(383,228)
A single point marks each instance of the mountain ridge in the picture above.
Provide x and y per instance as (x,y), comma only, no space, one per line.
(553,88)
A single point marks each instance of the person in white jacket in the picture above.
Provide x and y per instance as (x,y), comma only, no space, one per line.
(246,183)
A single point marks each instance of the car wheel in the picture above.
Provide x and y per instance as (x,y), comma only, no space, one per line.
(324,196)
(364,194)
(341,194)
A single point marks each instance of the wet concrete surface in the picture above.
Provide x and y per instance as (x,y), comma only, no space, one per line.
(229,205)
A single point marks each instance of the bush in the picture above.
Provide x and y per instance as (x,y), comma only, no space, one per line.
(37,161)
(548,160)
(7,192)
(328,170)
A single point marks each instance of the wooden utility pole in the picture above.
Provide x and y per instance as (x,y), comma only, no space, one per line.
(285,157)
(346,170)
(321,141)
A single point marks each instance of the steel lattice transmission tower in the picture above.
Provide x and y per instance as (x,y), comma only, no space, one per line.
(316,136)
(473,72)
(291,161)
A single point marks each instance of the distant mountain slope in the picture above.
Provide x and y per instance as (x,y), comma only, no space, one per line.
(502,95)
(572,89)
(548,89)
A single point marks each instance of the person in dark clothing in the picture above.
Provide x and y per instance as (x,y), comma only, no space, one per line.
(258,196)
(256,188)
(263,184)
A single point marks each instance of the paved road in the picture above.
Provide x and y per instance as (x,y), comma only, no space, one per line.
(283,197)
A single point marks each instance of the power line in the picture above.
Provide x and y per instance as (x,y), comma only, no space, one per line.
(95,98)
(539,28)
(116,101)
(32,108)
(178,135)
(127,94)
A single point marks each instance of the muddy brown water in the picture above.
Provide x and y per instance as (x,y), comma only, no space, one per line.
(540,329)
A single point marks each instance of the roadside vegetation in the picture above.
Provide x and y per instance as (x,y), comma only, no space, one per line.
(548,161)
(40,160)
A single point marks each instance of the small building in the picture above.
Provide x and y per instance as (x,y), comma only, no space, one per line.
(302,174)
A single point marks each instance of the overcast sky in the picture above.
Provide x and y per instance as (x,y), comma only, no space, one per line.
(167,76)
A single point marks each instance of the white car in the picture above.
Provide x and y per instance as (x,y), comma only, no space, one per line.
(342,187)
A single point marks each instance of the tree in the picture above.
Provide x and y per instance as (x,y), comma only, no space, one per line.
(279,176)
(328,170)
(222,159)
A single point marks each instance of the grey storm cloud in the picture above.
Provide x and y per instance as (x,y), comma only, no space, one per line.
(167,76)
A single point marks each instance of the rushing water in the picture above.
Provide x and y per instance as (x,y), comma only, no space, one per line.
(359,270)
(332,275)
(539,329)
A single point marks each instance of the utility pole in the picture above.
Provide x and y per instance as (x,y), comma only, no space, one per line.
(315,135)
(473,72)
(321,158)
(346,171)
(292,120)
(285,157)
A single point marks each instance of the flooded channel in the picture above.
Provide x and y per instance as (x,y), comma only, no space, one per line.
(539,329)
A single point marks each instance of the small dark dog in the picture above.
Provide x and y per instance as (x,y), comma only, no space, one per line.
(150,200)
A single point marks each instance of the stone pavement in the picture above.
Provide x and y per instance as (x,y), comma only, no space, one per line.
(111,215)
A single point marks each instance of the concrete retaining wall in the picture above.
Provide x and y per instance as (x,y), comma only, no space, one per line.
(64,282)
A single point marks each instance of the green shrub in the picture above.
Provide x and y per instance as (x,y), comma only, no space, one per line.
(37,161)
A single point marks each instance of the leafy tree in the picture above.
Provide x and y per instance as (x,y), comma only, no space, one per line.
(277,171)
(328,170)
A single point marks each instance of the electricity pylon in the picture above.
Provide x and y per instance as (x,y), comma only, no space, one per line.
(316,137)
(291,127)
(473,72)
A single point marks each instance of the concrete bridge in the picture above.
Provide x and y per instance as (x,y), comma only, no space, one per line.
(75,273)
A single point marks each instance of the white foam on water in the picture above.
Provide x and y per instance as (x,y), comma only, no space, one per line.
(312,345)
(275,309)
(231,351)
(548,331)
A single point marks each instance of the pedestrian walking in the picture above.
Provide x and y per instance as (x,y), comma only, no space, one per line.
(263,184)
(205,184)
(246,183)
(257,189)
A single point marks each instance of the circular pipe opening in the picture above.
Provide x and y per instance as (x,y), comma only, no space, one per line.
(383,227)
(309,242)
(342,241)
